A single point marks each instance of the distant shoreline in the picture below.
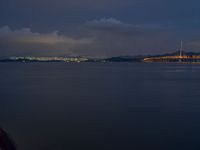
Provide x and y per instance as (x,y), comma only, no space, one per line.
(186,57)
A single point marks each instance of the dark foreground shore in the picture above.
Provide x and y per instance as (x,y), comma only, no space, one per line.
(5,141)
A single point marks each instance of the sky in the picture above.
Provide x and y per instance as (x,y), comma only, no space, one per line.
(97,27)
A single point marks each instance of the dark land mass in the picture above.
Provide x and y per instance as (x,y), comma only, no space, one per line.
(119,59)
(177,53)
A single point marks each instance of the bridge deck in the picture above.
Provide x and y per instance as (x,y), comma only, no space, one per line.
(184,58)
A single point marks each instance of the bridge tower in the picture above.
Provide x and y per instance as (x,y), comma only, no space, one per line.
(181,49)
(181,52)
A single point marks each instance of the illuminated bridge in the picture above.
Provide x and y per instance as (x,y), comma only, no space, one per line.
(183,58)
(180,57)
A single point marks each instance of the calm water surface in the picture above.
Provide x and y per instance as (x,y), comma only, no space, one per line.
(101,106)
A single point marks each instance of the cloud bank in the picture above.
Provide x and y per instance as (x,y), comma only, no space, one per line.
(25,41)
(25,35)
(99,37)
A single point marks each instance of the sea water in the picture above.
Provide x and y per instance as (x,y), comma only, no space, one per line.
(101,106)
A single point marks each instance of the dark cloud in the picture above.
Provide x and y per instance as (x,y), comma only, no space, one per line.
(25,42)
(38,14)
(103,37)
(113,37)
(97,27)
(25,35)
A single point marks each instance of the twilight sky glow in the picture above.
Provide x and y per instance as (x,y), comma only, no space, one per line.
(97,27)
